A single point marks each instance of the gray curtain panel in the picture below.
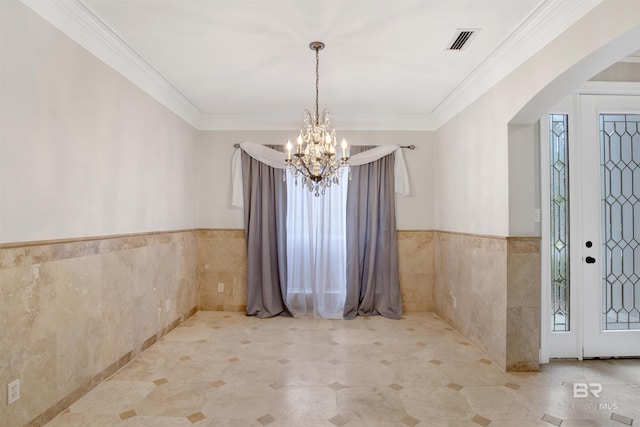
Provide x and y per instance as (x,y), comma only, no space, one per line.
(373,285)
(265,207)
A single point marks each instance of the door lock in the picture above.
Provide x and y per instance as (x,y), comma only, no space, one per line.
(590,260)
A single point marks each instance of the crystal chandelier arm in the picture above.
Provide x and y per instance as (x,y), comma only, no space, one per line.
(309,173)
(316,158)
(300,161)
(324,168)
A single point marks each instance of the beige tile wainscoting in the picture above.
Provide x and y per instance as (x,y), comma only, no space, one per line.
(75,311)
(222,258)
(495,282)
(488,288)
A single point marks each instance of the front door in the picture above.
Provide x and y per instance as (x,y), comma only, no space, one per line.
(610,246)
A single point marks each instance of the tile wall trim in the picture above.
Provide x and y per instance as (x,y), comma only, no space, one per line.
(465,234)
(408,230)
(486,236)
(13,245)
(220,229)
(242,229)
(56,250)
(523,238)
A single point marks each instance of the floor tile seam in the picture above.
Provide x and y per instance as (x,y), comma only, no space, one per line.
(183,382)
(531,413)
(318,386)
(530,407)
(414,386)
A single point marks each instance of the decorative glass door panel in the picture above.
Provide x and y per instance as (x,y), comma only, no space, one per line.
(559,221)
(620,190)
(610,147)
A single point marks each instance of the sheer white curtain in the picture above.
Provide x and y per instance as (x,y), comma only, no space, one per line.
(316,250)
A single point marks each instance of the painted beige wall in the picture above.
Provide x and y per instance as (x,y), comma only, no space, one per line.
(83,152)
(524,180)
(619,72)
(215,149)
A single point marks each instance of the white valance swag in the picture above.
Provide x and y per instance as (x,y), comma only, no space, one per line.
(276,159)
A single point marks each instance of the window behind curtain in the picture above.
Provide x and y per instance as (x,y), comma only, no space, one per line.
(316,249)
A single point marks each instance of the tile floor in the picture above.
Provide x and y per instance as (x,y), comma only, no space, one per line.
(226,369)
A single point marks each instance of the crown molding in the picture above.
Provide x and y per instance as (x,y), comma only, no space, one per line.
(294,122)
(634,58)
(609,88)
(549,19)
(78,22)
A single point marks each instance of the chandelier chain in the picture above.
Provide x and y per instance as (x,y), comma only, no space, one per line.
(317,84)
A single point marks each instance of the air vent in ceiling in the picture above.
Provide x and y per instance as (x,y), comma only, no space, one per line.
(462,37)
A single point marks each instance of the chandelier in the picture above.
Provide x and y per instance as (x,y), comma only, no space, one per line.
(315,158)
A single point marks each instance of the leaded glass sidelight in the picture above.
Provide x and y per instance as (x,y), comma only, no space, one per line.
(620,195)
(559,223)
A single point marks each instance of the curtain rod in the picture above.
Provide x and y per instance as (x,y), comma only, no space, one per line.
(410,147)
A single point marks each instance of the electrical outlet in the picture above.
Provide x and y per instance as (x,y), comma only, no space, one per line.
(167,305)
(13,391)
(220,287)
(455,302)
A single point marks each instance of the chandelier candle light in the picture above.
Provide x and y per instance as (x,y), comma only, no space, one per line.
(315,155)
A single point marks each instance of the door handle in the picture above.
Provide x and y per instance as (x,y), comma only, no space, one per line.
(590,260)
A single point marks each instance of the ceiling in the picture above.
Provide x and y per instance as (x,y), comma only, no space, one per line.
(247,64)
